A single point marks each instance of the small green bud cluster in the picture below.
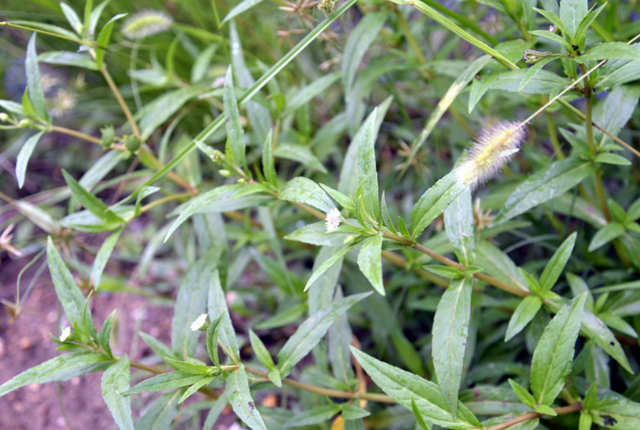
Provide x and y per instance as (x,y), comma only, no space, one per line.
(132,143)
(108,135)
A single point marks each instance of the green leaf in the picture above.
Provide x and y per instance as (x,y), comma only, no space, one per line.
(103,257)
(402,386)
(616,413)
(34,81)
(95,17)
(237,391)
(158,111)
(544,185)
(557,263)
(591,397)
(434,201)
(579,286)
(159,348)
(303,190)
(543,82)
(24,155)
(444,271)
(115,381)
(609,51)
(165,381)
(68,292)
(91,202)
(104,38)
(339,197)
(497,264)
(353,412)
(65,58)
(161,413)
(553,357)
(72,17)
(217,305)
(191,303)
(458,221)
(572,12)
(274,376)
(524,313)
(215,412)
(235,133)
(13,107)
(267,161)
(301,154)
(366,169)
(525,397)
(104,339)
(605,235)
(304,95)
(615,159)
(552,36)
(262,354)
(604,338)
(241,7)
(586,420)
(213,332)
(533,70)
(370,261)
(185,366)
(545,410)
(341,252)
(450,331)
(195,387)
(61,368)
(320,414)
(359,41)
(312,331)
(416,413)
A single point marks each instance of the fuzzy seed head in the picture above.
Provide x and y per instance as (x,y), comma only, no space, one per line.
(199,322)
(332,221)
(66,332)
(146,23)
(492,150)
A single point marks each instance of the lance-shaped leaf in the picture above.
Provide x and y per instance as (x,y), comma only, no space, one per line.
(66,289)
(305,191)
(327,265)
(605,235)
(610,51)
(616,413)
(241,7)
(115,381)
(24,155)
(91,202)
(555,266)
(402,386)
(311,331)
(359,41)
(34,81)
(544,185)
(524,313)
(450,331)
(434,201)
(165,381)
(235,133)
(61,368)
(237,391)
(370,261)
(571,13)
(190,304)
(320,414)
(553,357)
(161,412)
(458,221)
(267,161)
(217,305)
(367,172)
(103,257)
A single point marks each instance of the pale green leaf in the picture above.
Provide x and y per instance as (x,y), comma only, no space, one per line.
(218,305)
(557,263)
(320,414)
(605,235)
(102,258)
(237,391)
(68,292)
(370,261)
(115,381)
(165,381)
(241,7)
(24,155)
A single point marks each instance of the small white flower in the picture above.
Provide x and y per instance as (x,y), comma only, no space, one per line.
(66,332)
(199,322)
(219,81)
(332,221)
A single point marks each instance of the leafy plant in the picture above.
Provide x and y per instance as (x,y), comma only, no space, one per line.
(296,194)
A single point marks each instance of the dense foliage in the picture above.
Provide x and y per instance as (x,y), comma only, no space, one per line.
(482,276)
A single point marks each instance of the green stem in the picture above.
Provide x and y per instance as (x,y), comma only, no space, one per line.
(462,20)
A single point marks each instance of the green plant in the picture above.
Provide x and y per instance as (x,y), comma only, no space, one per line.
(234,170)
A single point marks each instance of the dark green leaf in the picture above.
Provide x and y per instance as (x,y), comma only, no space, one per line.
(605,235)
(524,313)
(557,263)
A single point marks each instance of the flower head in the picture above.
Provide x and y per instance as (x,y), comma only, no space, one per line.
(199,323)
(146,23)
(493,149)
(66,332)
(332,221)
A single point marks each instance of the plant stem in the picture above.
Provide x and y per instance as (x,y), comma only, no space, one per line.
(551,129)
(74,133)
(463,20)
(532,415)
(121,102)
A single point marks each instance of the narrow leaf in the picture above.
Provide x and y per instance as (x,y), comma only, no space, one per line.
(115,381)
(370,261)
(237,391)
(524,313)
(24,155)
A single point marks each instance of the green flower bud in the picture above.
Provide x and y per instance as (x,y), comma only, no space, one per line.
(348,240)
(241,181)
(108,135)
(24,123)
(4,117)
(132,143)
(225,173)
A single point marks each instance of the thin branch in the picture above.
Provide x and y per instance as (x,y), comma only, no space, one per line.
(532,415)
